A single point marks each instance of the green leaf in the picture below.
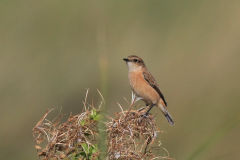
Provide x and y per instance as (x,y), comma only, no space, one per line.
(85,148)
(90,150)
(82,122)
(77,155)
(93,113)
(83,154)
(97,117)
(94,151)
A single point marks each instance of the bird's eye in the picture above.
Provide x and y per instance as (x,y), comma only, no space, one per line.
(135,60)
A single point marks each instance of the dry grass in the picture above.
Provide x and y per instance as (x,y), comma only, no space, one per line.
(130,135)
(74,139)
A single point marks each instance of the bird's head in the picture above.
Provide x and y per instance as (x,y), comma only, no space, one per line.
(134,63)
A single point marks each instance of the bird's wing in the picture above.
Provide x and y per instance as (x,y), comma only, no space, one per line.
(152,82)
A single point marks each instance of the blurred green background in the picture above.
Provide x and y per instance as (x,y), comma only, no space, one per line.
(52,51)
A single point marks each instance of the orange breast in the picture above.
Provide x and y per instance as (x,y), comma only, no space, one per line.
(142,88)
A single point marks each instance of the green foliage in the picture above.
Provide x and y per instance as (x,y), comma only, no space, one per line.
(95,115)
(88,149)
(87,153)
(78,140)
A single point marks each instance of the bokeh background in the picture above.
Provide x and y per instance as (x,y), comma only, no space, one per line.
(52,51)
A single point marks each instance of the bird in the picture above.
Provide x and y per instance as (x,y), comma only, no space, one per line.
(144,85)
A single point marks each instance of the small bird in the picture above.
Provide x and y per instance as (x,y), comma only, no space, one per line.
(144,86)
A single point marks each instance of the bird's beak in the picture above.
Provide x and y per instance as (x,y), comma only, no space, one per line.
(125,59)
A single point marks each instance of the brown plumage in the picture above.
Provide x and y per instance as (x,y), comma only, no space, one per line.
(145,86)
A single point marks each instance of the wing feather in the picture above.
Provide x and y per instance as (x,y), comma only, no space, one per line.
(152,82)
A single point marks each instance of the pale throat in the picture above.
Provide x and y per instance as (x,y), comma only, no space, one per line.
(133,67)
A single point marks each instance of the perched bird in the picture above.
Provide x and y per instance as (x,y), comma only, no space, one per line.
(144,85)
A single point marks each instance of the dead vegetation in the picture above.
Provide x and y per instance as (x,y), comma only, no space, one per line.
(74,139)
(130,135)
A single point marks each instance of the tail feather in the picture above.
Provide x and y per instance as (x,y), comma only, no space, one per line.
(169,119)
(166,113)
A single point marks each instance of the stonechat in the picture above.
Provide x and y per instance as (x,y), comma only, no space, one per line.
(145,86)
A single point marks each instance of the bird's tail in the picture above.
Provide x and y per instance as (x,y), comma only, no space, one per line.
(166,114)
(169,119)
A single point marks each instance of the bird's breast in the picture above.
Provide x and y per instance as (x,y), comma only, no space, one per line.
(142,88)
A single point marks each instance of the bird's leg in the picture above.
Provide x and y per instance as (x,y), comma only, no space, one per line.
(139,110)
(149,109)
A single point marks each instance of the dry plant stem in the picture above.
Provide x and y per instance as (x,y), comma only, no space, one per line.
(66,138)
(129,133)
